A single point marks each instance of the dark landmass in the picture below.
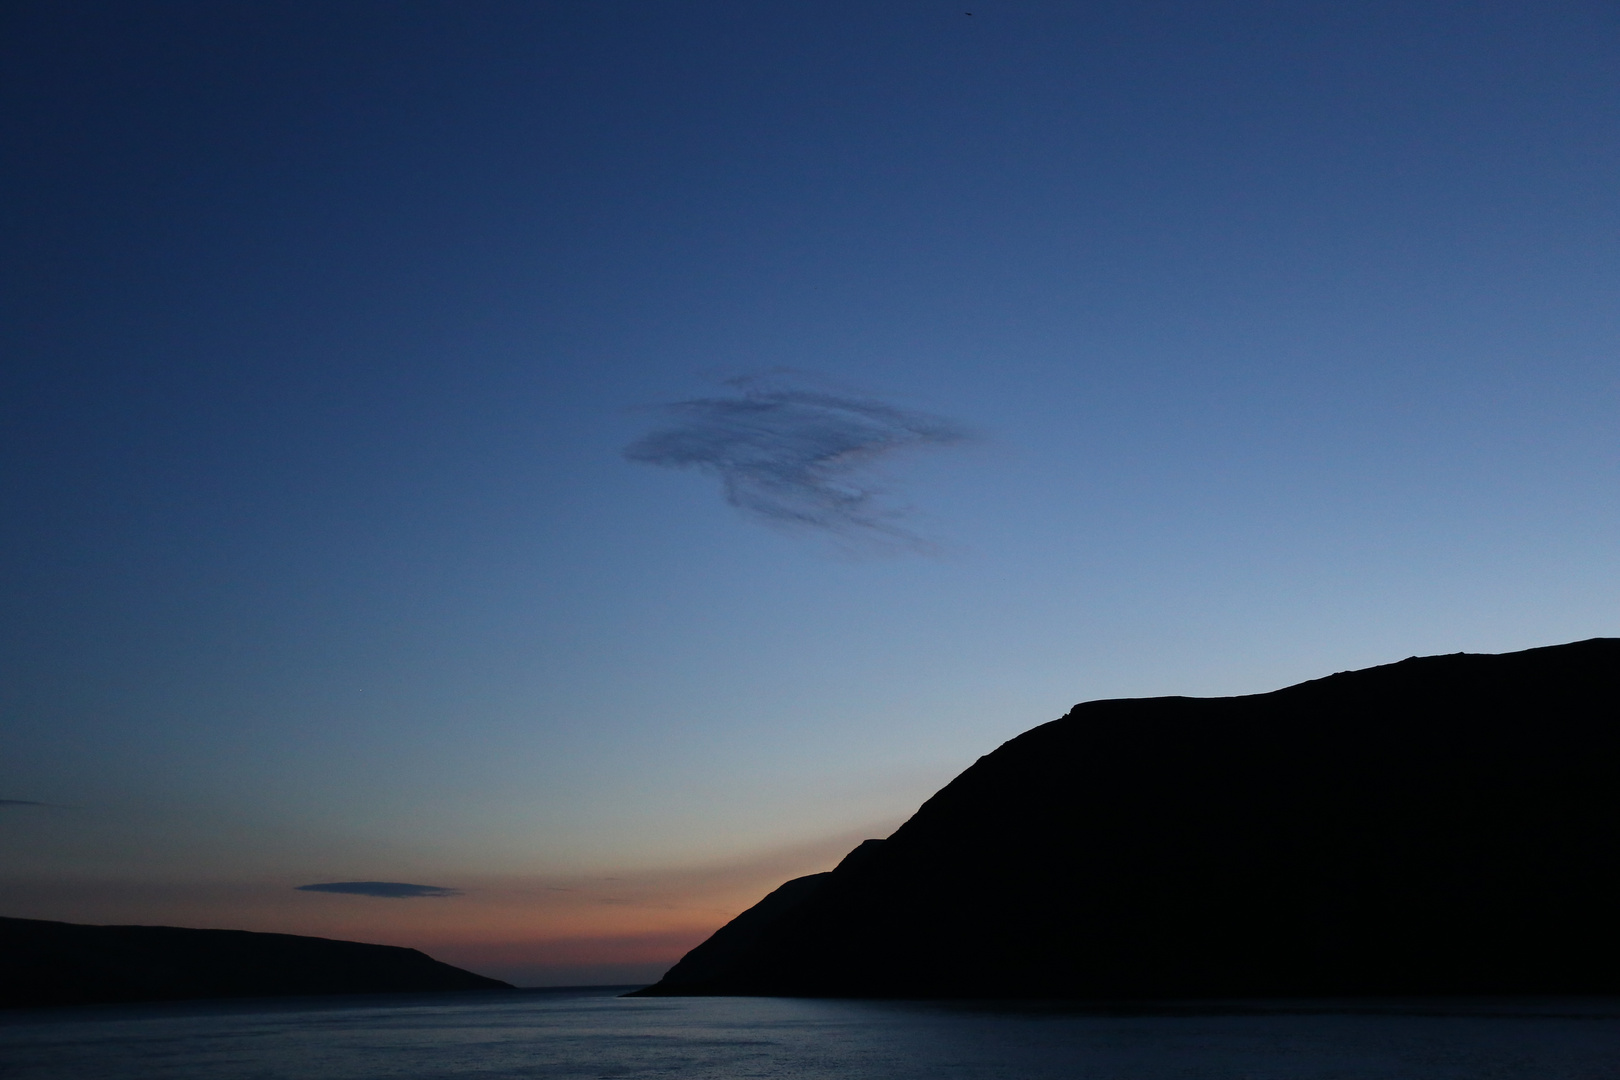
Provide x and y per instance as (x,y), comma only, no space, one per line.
(1448,825)
(55,963)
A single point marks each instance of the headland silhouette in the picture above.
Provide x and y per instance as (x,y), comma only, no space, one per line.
(46,963)
(1443,825)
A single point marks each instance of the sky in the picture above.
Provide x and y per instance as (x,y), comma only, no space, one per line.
(549,472)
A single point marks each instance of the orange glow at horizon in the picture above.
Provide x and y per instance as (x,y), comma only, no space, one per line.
(624,926)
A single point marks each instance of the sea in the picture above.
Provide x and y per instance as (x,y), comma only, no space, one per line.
(594,1033)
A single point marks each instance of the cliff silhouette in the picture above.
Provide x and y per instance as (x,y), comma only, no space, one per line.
(55,963)
(1443,825)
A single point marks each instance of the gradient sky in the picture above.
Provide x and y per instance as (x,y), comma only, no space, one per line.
(1239,343)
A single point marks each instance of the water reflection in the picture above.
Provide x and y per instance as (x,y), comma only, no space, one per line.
(580,1034)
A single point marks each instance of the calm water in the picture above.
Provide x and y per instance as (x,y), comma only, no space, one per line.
(594,1034)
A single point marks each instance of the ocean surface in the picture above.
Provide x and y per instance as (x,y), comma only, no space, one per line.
(593,1033)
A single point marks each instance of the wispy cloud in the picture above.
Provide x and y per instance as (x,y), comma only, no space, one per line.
(392,890)
(797,458)
(21,802)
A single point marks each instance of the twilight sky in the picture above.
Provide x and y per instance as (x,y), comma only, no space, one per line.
(552,471)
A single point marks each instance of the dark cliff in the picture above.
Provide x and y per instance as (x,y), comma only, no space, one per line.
(1444,825)
(56,963)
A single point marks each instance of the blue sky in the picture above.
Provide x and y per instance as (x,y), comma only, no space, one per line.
(1285,335)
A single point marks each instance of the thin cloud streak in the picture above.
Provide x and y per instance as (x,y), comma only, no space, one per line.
(801,459)
(390,890)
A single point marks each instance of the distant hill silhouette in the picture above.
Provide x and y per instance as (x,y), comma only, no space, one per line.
(1444,825)
(57,963)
